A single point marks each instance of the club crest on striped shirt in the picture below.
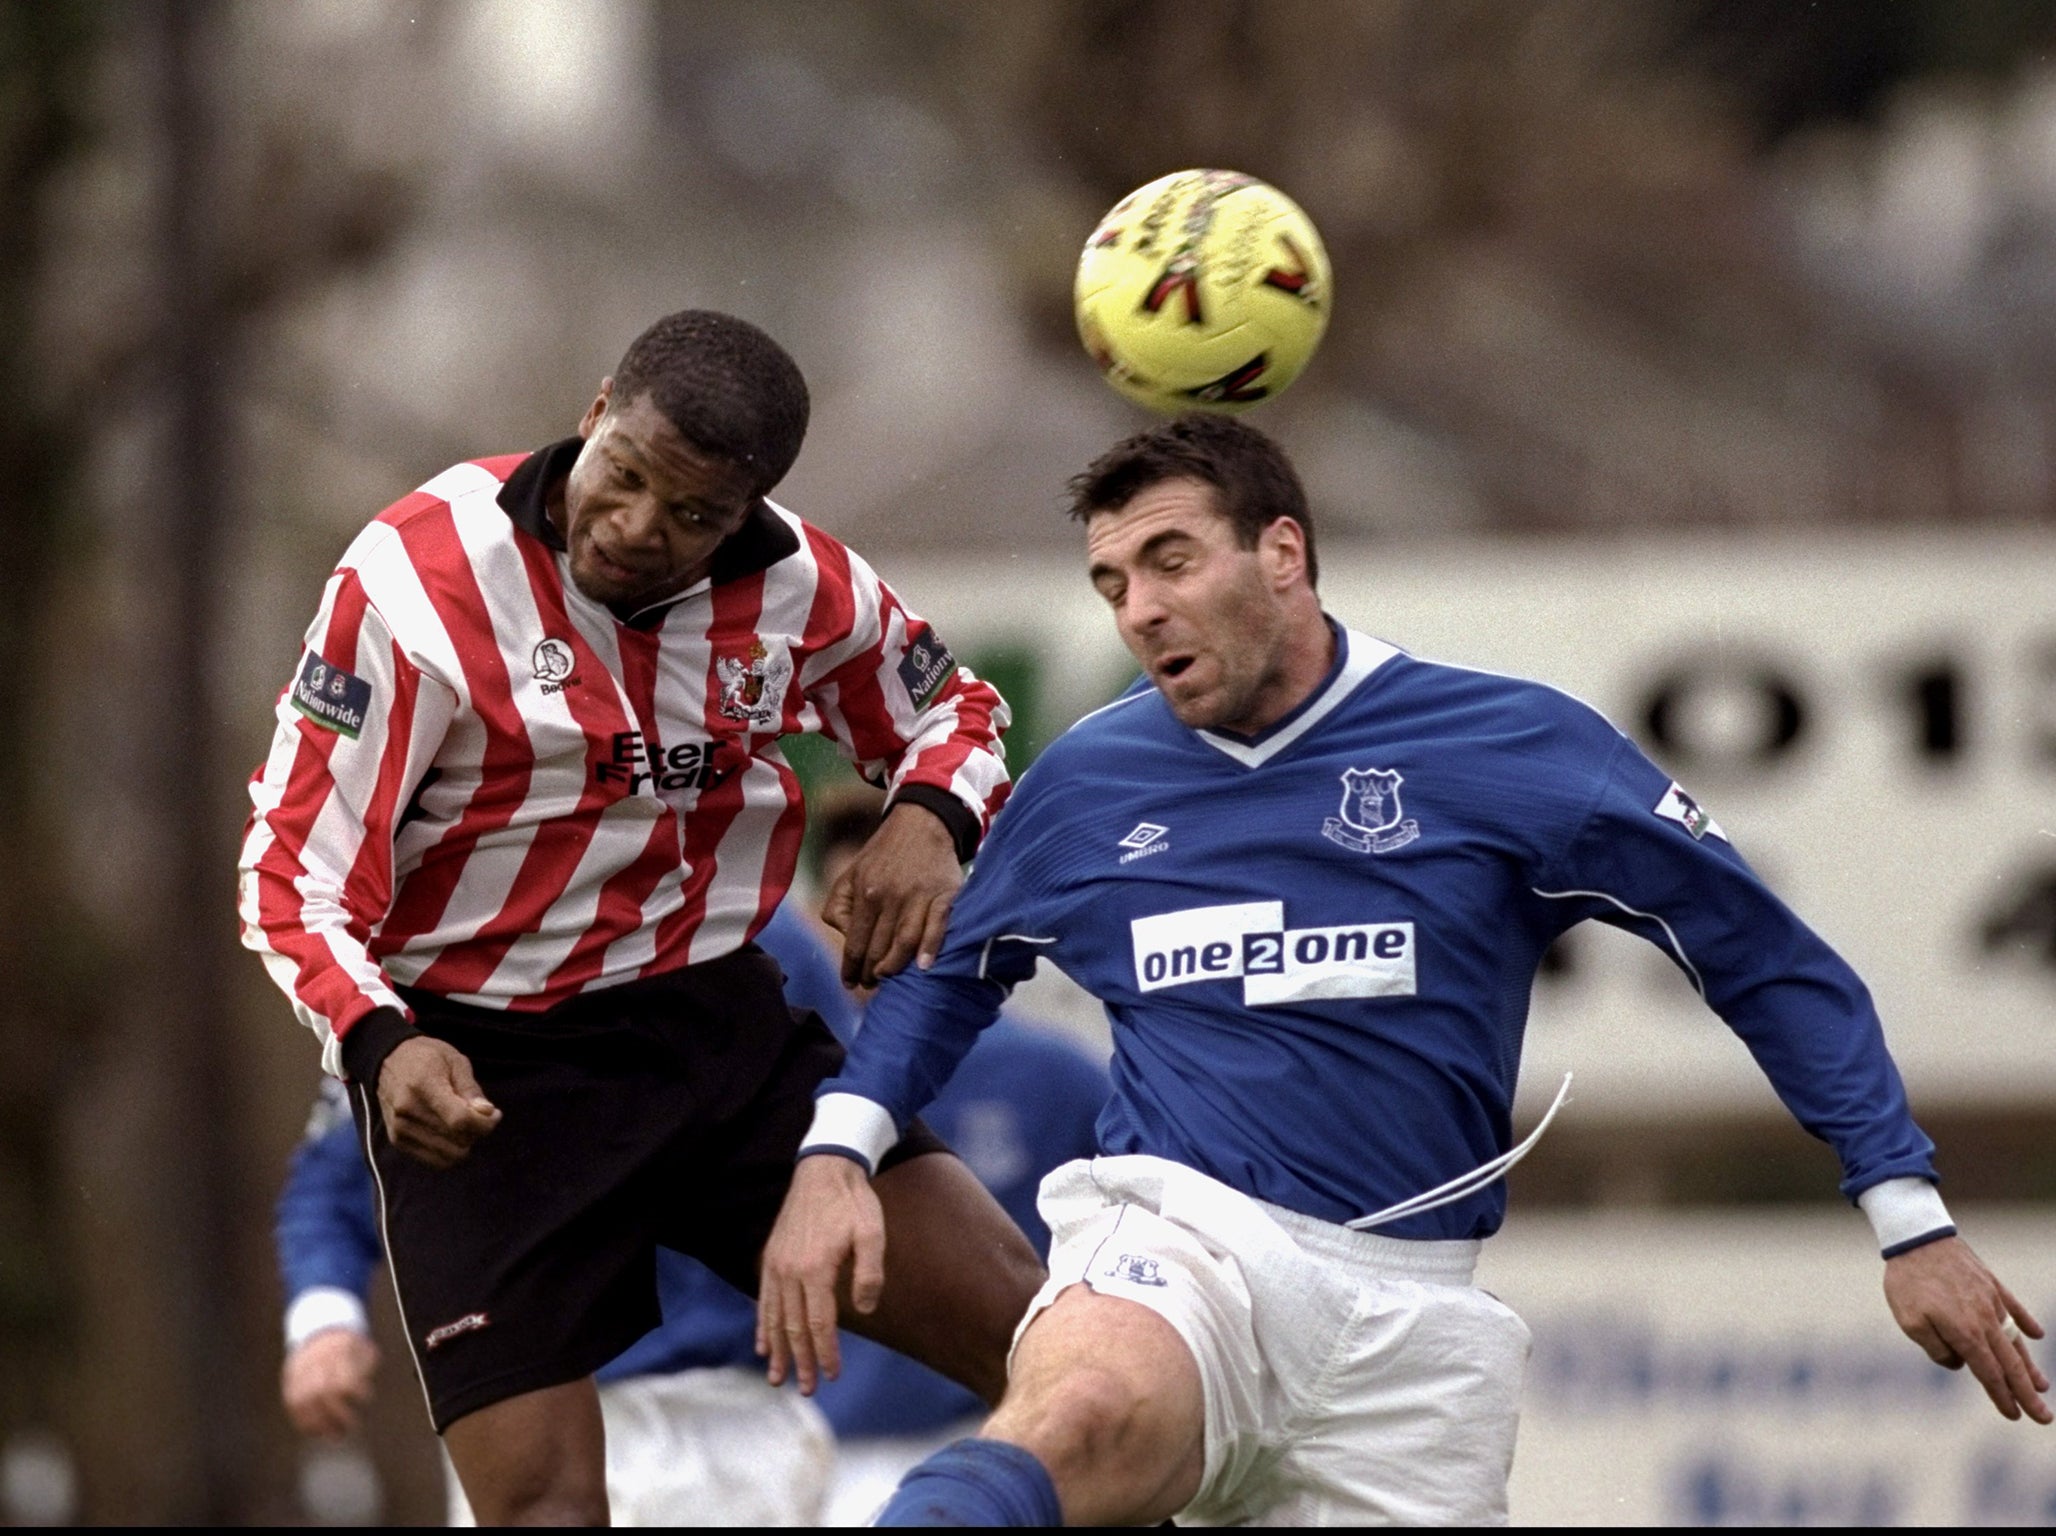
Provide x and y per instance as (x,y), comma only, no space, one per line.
(553,662)
(1371,820)
(753,685)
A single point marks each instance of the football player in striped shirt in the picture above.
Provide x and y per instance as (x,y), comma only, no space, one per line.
(522,819)
(694,1433)
(1311,877)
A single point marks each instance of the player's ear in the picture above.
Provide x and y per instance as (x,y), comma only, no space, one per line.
(1282,549)
(597,409)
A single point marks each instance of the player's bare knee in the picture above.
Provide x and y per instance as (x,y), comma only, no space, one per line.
(542,1497)
(1092,1423)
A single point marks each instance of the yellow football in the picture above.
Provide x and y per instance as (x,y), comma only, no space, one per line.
(1203,290)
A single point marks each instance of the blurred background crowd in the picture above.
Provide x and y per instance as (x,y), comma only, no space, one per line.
(1712,279)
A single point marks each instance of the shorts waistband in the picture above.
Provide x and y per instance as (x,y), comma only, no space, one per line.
(1447,1261)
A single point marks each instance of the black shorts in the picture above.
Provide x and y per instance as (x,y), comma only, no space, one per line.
(663,1111)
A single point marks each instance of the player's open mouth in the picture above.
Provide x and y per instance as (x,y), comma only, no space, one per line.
(611,568)
(1173,666)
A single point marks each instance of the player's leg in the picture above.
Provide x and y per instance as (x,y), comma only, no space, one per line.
(1103,1424)
(1106,1395)
(525,1267)
(959,1275)
(536,1459)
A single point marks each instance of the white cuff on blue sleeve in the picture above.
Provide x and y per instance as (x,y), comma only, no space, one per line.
(1905,1213)
(852,1125)
(320,1308)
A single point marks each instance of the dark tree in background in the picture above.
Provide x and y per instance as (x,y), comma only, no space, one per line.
(51,963)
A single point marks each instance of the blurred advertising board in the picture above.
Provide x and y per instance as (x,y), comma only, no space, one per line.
(1871,720)
(1744,1370)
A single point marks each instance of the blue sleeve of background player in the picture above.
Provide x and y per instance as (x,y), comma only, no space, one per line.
(922,1023)
(1649,860)
(327,1223)
(811,979)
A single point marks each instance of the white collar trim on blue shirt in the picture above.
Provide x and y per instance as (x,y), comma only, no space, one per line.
(1365,657)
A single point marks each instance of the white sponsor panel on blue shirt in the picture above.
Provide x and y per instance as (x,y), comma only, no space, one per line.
(1276,964)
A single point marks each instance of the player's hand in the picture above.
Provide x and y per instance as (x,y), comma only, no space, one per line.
(326,1382)
(1956,1309)
(434,1110)
(831,1222)
(891,902)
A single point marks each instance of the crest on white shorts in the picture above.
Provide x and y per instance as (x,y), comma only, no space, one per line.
(1371,820)
(1136,1269)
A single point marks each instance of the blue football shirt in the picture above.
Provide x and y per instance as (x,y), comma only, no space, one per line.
(1316,947)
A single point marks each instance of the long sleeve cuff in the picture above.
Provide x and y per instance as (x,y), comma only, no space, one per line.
(953,813)
(367,1043)
(1906,1213)
(320,1308)
(852,1126)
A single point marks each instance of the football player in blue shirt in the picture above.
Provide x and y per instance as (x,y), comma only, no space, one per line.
(1311,878)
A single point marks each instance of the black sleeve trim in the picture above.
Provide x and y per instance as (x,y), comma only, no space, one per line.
(368,1042)
(952,812)
(1921,1241)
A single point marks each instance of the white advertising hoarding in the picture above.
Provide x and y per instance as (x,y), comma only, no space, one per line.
(1744,1370)
(1872,721)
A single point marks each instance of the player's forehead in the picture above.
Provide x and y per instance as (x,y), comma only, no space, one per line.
(640,435)
(1165,510)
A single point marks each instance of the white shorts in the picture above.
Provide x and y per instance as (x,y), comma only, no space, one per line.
(868,1469)
(1348,1378)
(720,1446)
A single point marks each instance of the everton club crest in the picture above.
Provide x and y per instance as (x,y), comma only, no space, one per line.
(753,686)
(1371,820)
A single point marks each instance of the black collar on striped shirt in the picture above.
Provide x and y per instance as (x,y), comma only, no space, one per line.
(761,542)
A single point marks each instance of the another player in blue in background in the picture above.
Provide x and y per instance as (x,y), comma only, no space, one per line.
(1312,878)
(1024,1101)
(694,1434)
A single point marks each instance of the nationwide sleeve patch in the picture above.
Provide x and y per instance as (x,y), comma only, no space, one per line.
(1681,808)
(925,668)
(331,697)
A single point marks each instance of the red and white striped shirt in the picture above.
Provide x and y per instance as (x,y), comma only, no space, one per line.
(485,784)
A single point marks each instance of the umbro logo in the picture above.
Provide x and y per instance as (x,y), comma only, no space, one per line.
(1147,838)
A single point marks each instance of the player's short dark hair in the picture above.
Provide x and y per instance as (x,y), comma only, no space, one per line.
(1254,483)
(730,389)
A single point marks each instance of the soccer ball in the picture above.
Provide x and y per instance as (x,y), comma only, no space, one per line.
(1204,289)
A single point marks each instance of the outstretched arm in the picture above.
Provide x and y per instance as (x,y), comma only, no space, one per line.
(1957,1310)
(916,1030)
(831,1230)
(1649,860)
